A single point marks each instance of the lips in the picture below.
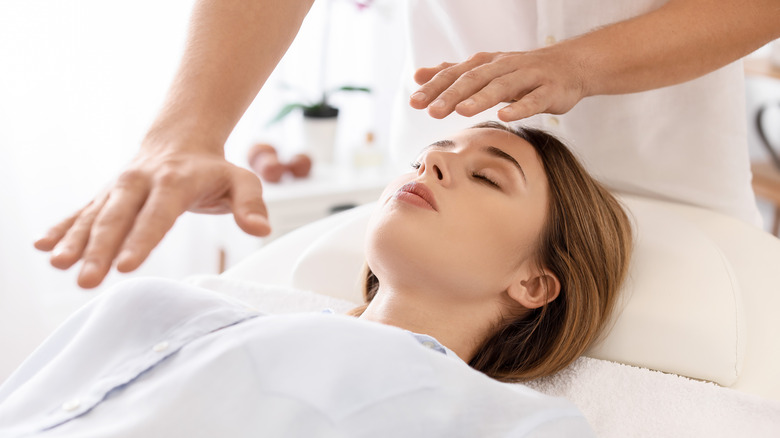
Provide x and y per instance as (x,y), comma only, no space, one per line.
(417,193)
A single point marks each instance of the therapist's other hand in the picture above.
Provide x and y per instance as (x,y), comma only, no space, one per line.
(539,81)
(126,221)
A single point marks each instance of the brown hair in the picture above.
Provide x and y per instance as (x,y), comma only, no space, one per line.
(586,243)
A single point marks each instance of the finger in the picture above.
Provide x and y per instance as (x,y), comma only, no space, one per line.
(460,94)
(56,233)
(535,102)
(70,248)
(504,87)
(425,74)
(249,209)
(111,227)
(431,89)
(156,217)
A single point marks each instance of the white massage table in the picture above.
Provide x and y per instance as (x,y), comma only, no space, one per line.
(693,351)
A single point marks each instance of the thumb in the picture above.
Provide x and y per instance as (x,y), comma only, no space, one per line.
(248,207)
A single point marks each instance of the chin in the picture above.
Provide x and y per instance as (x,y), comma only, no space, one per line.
(396,245)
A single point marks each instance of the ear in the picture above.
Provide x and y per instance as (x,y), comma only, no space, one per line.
(535,290)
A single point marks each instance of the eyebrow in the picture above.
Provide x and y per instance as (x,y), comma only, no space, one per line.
(492,150)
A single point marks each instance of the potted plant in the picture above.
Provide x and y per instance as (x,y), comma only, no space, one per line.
(320,120)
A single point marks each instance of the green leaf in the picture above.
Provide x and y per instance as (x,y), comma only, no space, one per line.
(287,109)
(352,88)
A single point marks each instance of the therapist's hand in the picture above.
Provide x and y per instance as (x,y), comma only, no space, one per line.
(540,81)
(127,220)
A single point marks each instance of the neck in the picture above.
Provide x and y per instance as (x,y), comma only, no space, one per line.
(461,327)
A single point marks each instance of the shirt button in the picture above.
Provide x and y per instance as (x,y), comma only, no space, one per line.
(550,40)
(429,344)
(159,348)
(553,121)
(72,405)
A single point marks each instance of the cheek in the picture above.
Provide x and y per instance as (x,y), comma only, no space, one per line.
(489,246)
(492,243)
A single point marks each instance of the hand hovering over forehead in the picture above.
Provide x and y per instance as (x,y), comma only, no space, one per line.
(530,82)
(126,221)
(677,42)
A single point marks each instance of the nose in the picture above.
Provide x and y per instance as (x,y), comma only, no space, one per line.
(435,164)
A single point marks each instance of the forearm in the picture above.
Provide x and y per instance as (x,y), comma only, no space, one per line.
(680,41)
(232,48)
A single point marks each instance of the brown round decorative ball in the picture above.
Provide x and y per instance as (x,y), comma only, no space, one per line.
(300,165)
(270,169)
(258,150)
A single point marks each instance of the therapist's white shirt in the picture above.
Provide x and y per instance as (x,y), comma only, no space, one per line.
(156,358)
(686,143)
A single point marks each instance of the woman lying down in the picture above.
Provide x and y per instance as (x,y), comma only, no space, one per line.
(498,259)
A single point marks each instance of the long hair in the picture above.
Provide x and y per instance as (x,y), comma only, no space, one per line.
(586,242)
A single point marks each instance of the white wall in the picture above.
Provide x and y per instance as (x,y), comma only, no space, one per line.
(79,84)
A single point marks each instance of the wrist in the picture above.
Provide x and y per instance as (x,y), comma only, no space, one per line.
(578,68)
(183,135)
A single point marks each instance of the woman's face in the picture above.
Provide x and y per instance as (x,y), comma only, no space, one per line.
(465,221)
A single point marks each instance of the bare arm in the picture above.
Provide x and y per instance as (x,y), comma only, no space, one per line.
(232,48)
(681,40)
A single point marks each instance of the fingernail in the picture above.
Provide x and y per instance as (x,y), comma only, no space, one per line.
(257,218)
(467,102)
(89,269)
(418,96)
(438,103)
(124,256)
(58,252)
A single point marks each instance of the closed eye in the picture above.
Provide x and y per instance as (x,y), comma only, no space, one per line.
(485,179)
(476,175)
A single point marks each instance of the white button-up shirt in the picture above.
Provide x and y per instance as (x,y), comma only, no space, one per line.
(159,358)
(686,143)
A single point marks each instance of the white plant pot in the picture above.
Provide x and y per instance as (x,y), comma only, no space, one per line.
(319,136)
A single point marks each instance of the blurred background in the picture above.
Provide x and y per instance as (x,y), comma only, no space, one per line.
(79,85)
(80,82)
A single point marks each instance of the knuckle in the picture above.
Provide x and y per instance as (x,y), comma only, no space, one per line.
(503,56)
(84,222)
(481,57)
(130,178)
(171,178)
(107,221)
(448,74)
(501,83)
(471,75)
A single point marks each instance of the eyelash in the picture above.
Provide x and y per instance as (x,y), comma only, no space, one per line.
(416,165)
(484,178)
